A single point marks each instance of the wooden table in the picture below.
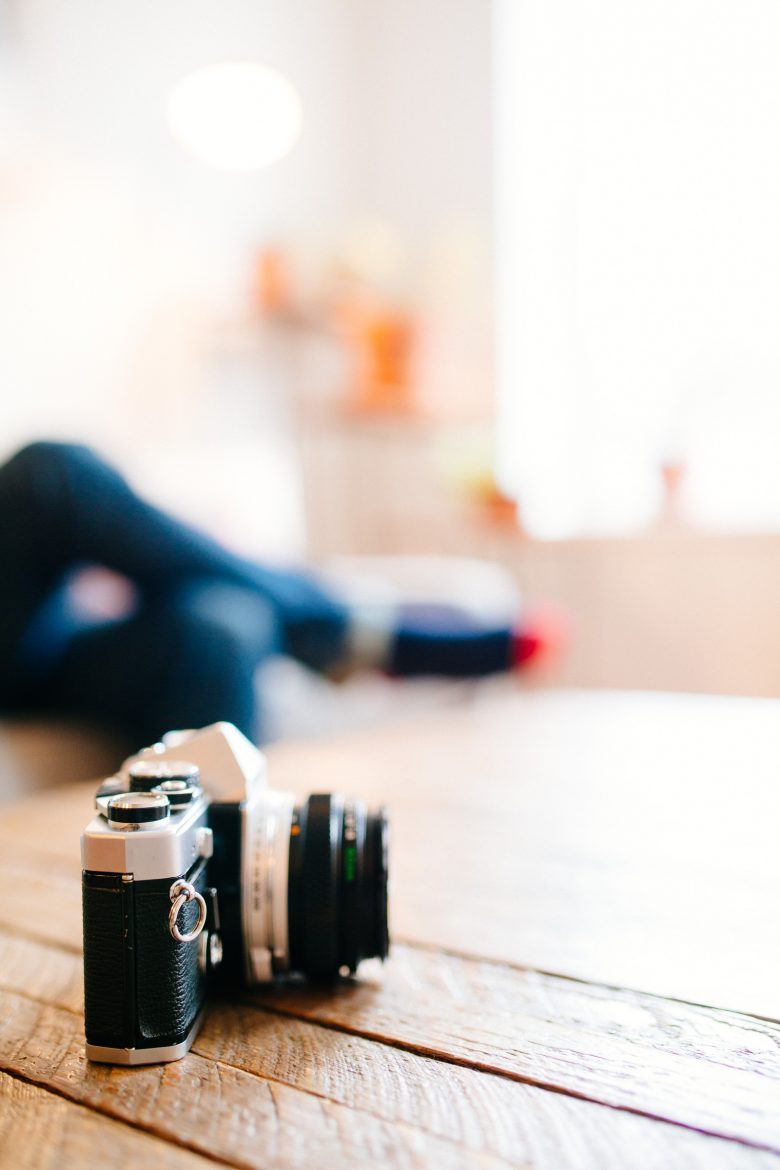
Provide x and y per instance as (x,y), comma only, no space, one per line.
(586,970)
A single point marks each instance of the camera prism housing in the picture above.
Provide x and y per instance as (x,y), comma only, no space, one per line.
(195,871)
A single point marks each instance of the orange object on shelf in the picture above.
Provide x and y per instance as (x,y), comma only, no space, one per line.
(271,282)
(380,343)
(500,509)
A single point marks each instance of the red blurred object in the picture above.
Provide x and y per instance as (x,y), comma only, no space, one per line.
(544,636)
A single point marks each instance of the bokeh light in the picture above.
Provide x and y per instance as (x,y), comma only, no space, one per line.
(235,116)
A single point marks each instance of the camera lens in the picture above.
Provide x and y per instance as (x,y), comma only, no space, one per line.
(337,885)
(302,888)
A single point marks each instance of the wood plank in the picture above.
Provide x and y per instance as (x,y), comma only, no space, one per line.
(41,1131)
(597,855)
(480,1110)
(214,1108)
(626,839)
(717,1071)
(49,823)
(44,973)
(714,1071)
(41,904)
(272,1092)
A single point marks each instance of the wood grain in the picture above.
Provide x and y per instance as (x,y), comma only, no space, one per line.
(47,974)
(215,1108)
(294,1094)
(602,837)
(481,1111)
(41,904)
(41,1131)
(625,839)
(49,823)
(715,1071)
(620,838)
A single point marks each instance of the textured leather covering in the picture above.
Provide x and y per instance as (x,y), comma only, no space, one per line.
(109,997)
(169,985)
(142,988)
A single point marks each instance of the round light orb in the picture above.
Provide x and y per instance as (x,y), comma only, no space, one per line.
(235,116)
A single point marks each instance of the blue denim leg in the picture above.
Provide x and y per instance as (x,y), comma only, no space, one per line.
(183,662)
(60,504)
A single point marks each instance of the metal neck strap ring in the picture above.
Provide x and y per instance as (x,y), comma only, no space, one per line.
(180,893)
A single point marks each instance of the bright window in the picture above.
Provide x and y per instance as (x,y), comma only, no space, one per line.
(638,255)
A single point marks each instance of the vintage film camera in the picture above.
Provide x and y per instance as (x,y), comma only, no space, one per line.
(194,871)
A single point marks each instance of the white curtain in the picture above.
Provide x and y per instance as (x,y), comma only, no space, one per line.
(638,259)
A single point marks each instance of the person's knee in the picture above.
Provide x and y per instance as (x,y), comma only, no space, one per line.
(202,672)
(44,464)
(221,610)
(156,672)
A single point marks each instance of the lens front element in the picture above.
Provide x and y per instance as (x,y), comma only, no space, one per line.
(337,886)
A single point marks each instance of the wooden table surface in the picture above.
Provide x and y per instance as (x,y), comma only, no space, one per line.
(585,972)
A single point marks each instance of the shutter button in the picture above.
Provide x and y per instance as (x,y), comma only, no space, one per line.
(137,810)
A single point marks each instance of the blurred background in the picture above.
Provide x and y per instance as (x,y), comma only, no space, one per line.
(361,280)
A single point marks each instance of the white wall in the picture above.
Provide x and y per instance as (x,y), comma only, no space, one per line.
(676,611)
(115,248)
(119,254)
(424,141)
(639,260)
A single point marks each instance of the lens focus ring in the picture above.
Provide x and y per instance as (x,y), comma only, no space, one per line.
(320,872)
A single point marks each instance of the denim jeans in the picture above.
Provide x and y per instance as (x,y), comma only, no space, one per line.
(204,620)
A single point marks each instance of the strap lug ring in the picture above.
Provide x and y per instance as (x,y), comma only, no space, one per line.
(180,893)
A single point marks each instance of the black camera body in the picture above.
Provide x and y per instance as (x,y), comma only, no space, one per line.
(194,870)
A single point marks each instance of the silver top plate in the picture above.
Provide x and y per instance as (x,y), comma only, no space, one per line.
(166,852)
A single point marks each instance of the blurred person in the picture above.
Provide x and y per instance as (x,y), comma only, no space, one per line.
(202,619)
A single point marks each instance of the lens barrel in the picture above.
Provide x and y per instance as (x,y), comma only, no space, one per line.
(337,886)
